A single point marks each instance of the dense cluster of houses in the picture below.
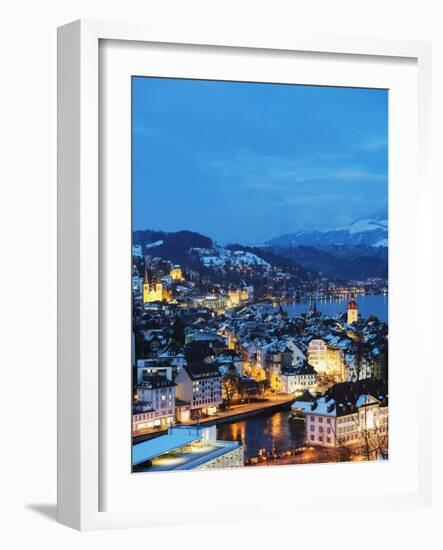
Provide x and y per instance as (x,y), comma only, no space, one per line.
(192,359)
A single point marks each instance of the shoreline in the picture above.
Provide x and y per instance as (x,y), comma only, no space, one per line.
(226,417)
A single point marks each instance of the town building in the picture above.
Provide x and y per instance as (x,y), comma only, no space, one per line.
(137,286)
(182,410)
(165,366)
(187,448)
(175,355)
(326,359)
(238,296)
(176,274)
(200,385)
(155,403)
(348,415)
(297,355)
(154,291)
(225,329)
(205,336)
(154,340)
(248,353)
(227,359)
(359,369)
(277,360)
(215,302)
(299,379)
(352,311)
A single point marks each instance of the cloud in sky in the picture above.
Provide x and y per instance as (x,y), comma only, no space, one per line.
(241,162)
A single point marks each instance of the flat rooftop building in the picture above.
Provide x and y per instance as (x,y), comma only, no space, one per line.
(186,448)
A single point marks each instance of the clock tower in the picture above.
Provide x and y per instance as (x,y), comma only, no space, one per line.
(352,311)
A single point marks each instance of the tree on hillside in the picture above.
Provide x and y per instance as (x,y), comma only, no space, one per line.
(178,331)
(230,386)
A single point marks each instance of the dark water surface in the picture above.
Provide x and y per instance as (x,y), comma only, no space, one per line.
(369,304)
(272,431)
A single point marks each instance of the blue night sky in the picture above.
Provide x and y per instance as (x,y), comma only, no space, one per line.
(243,162)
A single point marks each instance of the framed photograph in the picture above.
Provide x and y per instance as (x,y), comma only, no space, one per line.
(236,308)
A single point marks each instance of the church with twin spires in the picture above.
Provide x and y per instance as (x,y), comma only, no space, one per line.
(155,291)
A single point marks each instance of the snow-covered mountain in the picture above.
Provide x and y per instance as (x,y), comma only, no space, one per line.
(363,225)
(218,256)
(186,247)
(154,244)
(368,231)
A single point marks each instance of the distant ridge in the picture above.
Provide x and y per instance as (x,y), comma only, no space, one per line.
(198,252)
(355,252)
(367,231)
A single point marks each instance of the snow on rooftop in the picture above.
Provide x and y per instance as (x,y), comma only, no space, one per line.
(322,407)
(365,399)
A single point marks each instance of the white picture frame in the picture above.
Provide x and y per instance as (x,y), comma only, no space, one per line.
(82,291)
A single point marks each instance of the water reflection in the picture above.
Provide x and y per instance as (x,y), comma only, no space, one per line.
(265,431)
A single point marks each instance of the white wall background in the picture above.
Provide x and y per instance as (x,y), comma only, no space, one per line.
(28,254)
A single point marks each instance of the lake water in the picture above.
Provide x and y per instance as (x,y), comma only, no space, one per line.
(369,304)
(271,431)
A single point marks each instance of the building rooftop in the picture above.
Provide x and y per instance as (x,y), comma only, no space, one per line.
(154,381)
(198,372)
(344,398)
(175,451)
(160,445)
(352,304)
(191,458)
(304,368)
(319,406)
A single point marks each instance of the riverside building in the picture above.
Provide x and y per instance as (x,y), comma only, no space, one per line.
(186,448)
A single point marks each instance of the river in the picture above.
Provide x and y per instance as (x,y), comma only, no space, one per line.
(268,431)
(368,304)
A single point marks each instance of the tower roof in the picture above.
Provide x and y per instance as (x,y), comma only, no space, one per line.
(352,304)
